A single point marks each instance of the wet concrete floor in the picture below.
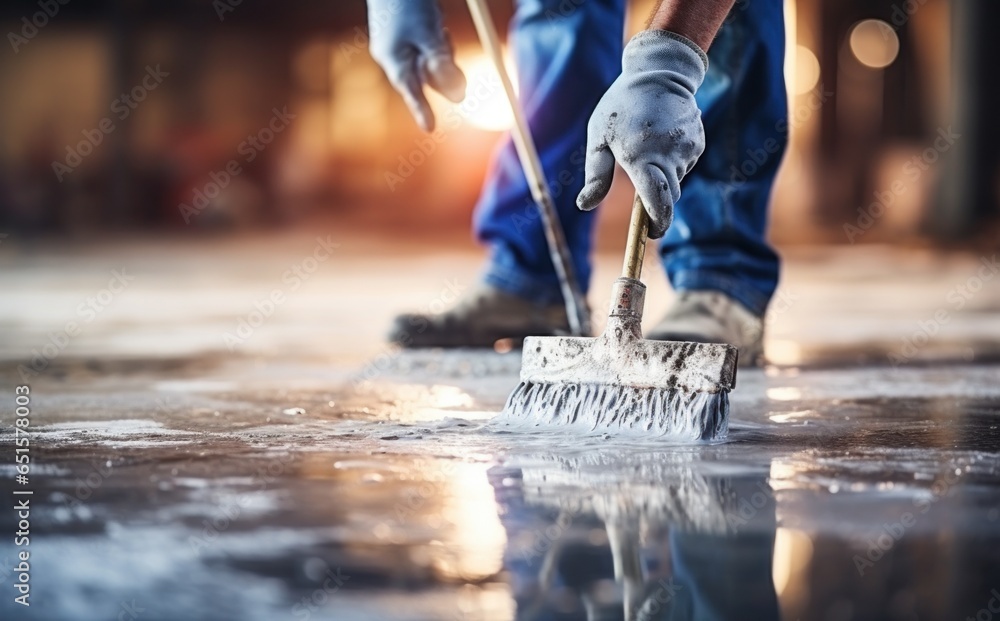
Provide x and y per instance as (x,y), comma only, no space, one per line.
(289,484)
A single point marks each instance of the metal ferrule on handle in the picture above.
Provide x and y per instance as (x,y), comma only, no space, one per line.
(628,294)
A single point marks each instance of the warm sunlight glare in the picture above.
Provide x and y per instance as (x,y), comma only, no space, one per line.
(485,106)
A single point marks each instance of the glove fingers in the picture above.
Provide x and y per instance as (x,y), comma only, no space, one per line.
(657,191)
(444,76)
(440,70)
(407,82)
(600,172)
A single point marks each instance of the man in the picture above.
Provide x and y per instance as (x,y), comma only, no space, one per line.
(653,110)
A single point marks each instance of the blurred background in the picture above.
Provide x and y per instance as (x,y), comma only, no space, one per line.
(116,115)
(168,170)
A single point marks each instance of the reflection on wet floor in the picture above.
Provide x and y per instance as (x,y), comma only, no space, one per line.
(242,492)
(665,542)
(673,536)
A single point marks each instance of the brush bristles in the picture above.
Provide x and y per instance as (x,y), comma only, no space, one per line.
(658,412)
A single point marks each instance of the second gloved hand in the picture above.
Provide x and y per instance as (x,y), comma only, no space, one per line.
(649,122)
(409,42)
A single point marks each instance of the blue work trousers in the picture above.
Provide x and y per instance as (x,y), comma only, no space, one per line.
(568,53)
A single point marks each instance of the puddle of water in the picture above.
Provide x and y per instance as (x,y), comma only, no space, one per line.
(398,501)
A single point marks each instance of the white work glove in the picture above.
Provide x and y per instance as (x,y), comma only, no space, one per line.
(649,122)
(409,42)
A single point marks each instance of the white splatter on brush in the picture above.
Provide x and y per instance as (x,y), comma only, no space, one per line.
(619,382)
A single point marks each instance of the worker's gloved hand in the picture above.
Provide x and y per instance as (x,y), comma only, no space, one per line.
(649,122)
(409,42)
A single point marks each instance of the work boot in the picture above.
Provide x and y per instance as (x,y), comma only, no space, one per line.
(713,317)
(481,318)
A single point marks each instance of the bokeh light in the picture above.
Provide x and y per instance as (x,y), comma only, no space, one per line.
(806,70)
(874,43)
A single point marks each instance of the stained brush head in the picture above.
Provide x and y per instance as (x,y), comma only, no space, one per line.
(620,382)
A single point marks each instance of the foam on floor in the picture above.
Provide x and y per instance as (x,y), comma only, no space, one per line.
(651,412)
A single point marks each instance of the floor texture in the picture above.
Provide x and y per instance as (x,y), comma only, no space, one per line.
(218,431)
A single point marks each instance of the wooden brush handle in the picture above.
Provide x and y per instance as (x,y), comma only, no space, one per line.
(577,311)
(635,247)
